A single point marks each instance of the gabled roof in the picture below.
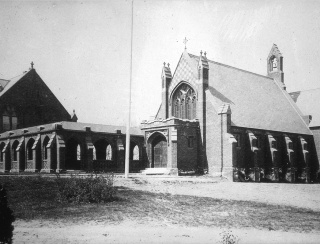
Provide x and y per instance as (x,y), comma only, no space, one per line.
(275,51)
(256,101)
(309,103)
(10,83)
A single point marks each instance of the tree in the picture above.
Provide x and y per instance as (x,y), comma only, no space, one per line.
(6,218)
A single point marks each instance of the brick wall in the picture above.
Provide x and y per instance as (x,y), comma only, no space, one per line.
(213,142)
(187,156)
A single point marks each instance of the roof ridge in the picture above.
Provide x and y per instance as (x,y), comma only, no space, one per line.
(306,90)
(229,66)
(23,73)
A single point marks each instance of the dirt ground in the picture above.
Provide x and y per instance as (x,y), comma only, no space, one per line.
(297,195)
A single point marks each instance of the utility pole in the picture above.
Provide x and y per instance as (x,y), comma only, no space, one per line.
(126,170)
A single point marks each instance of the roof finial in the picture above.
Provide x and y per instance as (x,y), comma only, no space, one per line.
(201,53)
(164,64)
(32,64)
(185,40)
(205,53)
(168,65)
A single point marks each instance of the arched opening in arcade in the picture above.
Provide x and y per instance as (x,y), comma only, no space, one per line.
(73,154)
(4,157)
(102,150)
(134,151)
(45,153)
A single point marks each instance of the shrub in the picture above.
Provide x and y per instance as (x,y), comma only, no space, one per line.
(229,238)
(6,218)
(86,189)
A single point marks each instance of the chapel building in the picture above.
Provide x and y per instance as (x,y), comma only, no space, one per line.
(26,100)
(229,122)
(37,134)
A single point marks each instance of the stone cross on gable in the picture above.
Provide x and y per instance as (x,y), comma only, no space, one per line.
(185,40)
(32,64)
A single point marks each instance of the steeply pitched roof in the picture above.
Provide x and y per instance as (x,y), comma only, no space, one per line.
(12,82)
(256,101)
(309,103)
(3,82)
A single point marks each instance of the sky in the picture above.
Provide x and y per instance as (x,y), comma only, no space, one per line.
(82,49)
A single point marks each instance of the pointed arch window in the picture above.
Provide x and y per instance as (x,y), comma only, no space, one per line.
(184,102)
(189,114)
(176,108)
(94,156)
(78,152)
(109,152)
(136,153)
(183,108)
(194,107)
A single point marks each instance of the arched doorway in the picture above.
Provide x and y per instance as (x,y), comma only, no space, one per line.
(73,155)
(159,152)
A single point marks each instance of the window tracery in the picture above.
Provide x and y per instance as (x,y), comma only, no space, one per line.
(184,102)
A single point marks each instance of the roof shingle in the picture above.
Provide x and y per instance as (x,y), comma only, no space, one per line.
(256,101)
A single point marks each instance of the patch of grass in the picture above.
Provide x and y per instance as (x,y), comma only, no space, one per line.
(35,198)
(87,189)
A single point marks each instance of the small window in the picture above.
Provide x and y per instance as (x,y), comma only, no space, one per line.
(14,122)
(109,152)
(5,122)
(94,153)
(258,142)
(305,146)
(136,153)
(274,144)
(290,145)
(78,152)
(190,142)
(255,143)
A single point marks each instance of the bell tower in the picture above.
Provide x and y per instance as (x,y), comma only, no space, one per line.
(275,66)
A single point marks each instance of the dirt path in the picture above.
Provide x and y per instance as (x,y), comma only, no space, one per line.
(306,196)
(130,232)
(296,195)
